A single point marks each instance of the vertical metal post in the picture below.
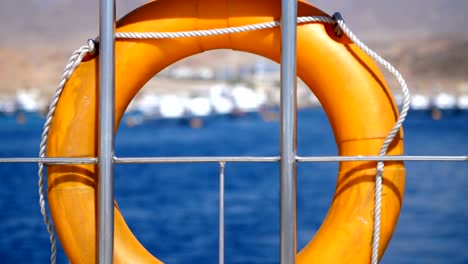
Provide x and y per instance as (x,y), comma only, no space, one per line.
(288,132)
(221,213)
(106,133)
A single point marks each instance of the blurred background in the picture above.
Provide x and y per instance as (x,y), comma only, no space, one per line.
(426,40)
(225,103)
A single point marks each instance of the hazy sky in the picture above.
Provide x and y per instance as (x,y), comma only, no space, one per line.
(45,20)
(34,31)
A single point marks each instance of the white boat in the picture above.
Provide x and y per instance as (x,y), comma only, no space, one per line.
(28,101)
(444,101)
(220,98)
(172,106)
(149,105)
(222,105)
(198,106)
(462,102)
(419,102)
(246,99)
(7,106)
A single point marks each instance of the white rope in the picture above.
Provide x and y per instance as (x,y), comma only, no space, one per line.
(218,31)
(339,29)
(73,62)
(391,135)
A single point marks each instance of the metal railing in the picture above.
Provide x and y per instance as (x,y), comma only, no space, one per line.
(222,161)
(106,132)
(225,159)
(288,156)
(287,134)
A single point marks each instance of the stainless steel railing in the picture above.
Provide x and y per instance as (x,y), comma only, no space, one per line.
(287,134)
(222,162)
(106,132)
(230,159)
(288,127)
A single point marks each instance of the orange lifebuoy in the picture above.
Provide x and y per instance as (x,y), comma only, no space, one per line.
(348,84)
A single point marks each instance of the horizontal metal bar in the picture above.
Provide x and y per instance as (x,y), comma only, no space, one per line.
(380,158)
(59,161)
(135,160)
(194,159)
(131,160)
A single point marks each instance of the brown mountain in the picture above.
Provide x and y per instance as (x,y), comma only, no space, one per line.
(39,35)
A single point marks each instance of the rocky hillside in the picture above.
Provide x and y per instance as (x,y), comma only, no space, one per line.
(426,39)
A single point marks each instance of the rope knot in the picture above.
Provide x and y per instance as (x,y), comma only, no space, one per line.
(92,46)
(338,18)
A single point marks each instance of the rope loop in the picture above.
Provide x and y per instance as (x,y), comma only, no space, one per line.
(75,60)
(391,135)
(92,46)
(336,18)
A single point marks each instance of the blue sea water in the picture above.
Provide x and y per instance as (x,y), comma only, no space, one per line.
(173,209)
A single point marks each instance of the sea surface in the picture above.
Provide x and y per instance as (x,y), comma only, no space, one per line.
(173,209)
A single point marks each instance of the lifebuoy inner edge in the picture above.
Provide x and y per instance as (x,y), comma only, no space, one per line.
(348,84)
